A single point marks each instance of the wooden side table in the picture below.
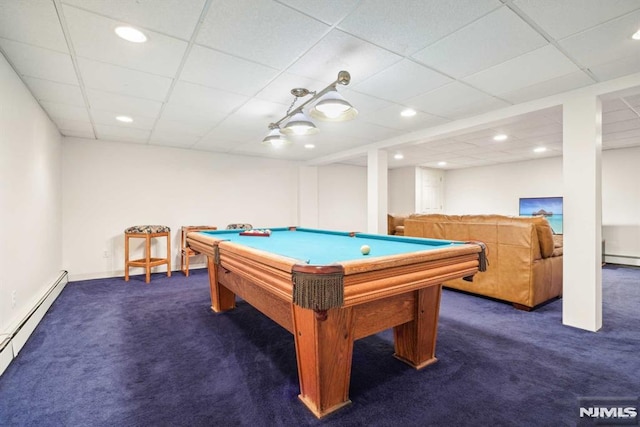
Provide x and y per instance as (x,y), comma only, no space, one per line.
(146,232)
(185,251)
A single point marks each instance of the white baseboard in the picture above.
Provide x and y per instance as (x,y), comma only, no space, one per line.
(622,260)
(120,273)
(17,337)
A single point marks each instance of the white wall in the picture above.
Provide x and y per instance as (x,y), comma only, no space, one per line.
(109,186)
(30,200)
(496,189)
(342,198)
(621,205)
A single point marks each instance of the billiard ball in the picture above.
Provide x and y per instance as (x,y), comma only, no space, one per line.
(365,249)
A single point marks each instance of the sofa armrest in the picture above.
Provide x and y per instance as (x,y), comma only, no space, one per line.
(395,224)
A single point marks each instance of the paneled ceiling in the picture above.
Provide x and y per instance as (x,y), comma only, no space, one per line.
(214,73)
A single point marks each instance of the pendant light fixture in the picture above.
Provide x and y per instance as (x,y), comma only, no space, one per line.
(330,106)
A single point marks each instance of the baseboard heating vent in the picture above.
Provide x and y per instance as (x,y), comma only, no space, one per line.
(12,342)
(631,260)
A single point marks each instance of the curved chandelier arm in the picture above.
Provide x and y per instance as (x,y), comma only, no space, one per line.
(344,78)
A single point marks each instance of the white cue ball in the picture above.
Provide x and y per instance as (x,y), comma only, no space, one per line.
(365,249)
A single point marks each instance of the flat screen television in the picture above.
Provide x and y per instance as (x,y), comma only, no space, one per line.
(549,207)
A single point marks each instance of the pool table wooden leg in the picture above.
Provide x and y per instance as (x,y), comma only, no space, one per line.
(222,299)
(415,341)
(324,350)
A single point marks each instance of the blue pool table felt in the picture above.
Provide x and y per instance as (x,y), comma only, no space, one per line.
(323,247)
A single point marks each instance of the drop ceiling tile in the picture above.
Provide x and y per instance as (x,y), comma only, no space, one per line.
(608,144)
(356,129)
(401,81)
(390,117)
(111,78)
(106,117)
(534,67)
(341,51)
(363,102)
(482,134)
(411,26)
(618,68)
(327,11)
(448,99)
(477,107)
(249,123)
(563,18)
(618,116)
(491,40)
(205,101)
(187,128)
(176,18)
(615,104)
(538,131)
(173,139)
(59,93)
(633,100)
(94,38)
(279,89)
(188,113)
(453,147)
(606,43)
(622,126)
(631,133)
(270,33)
(123,134)
(17,20)
(123,105)
(65,111)
(32,61)
(258,112)
(78,133)
(221,71)
(549,87)
(74,125)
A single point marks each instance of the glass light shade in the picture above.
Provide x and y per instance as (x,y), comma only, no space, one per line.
(275,138)
(333,107)
(299,124)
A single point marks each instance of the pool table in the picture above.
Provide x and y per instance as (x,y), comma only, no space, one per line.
(319,286)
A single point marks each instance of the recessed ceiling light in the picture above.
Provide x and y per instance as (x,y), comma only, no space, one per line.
(408,112)
(636,35)
(540,149)
(500,137)
(124,119)
(131,34)
(442,163)
(398,156)
(309,146)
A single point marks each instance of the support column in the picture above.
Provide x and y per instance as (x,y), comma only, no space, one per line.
(582,220)
(377,192)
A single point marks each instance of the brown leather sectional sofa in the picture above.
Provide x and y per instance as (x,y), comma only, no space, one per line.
(525,258)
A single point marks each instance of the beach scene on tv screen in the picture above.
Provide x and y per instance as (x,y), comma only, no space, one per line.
(549,207)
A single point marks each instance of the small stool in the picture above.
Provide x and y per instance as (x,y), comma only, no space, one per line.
(185,251)
(146,232)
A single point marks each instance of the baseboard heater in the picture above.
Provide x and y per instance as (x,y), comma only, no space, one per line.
(13,341)
(632,260)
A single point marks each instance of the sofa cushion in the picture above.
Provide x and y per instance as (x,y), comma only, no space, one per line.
(545,236)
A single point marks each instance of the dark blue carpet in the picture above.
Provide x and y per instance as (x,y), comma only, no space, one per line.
(111,353)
